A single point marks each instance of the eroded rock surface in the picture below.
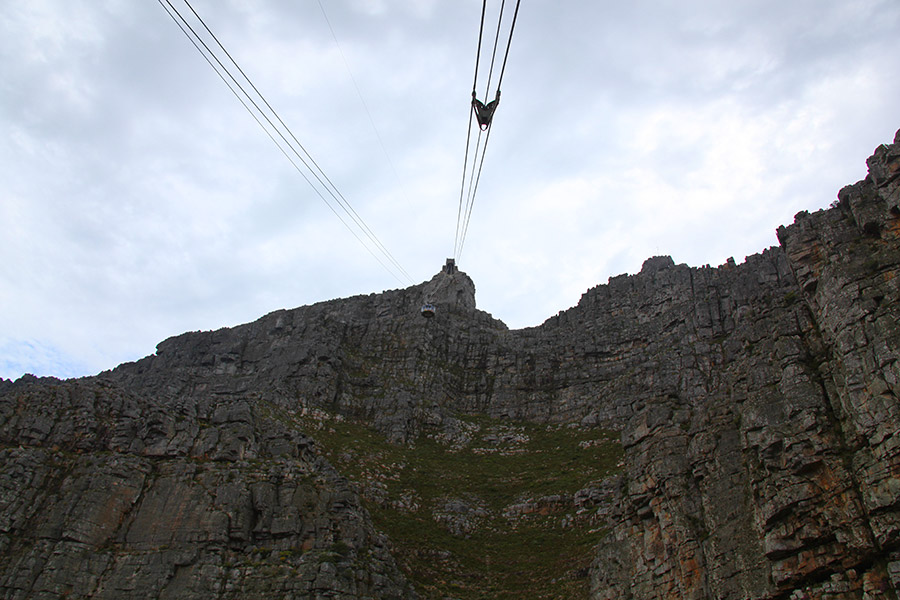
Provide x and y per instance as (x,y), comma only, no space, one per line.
(105,494)
(769,467)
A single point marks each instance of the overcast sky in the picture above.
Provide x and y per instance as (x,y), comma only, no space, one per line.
(141,200)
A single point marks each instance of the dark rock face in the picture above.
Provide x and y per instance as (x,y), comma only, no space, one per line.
(757,404)
(763,462)
(104,494)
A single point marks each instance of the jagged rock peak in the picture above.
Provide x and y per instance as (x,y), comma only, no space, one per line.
(450,288)
(657,263)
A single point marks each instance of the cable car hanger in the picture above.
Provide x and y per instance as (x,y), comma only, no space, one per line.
(484,112)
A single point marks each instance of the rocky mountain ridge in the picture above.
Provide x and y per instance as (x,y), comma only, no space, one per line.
(756,405)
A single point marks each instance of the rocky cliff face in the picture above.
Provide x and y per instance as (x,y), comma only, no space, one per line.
(106,494)
(757,407)
(762,461)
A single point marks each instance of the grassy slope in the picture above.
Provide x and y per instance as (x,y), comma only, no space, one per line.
(472,549)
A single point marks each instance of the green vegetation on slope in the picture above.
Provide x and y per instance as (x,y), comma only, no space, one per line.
(490,513)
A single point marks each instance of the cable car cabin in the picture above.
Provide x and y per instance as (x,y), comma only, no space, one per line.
(428,310)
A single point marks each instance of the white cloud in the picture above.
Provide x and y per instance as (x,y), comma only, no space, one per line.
(144,201)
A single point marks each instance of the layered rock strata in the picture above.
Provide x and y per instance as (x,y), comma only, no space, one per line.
(106,494)
(769,468)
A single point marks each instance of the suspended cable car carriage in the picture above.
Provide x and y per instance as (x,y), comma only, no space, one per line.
(428,310)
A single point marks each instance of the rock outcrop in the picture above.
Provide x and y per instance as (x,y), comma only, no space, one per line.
(764,462)
(757,405)
(106,494)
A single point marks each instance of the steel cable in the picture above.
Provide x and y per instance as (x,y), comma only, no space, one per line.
(464,215)
(330,188)
(336,194)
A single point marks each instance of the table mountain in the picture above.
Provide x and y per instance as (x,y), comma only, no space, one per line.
(682,432)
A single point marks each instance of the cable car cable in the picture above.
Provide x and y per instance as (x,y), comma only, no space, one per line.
(478,52)
(364,104)
(474,191)
(337,195)
(508,44)
(333,191)
(462,187)
(470,197)
(474,179)
(485,115)
(487,87)
(463,227)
